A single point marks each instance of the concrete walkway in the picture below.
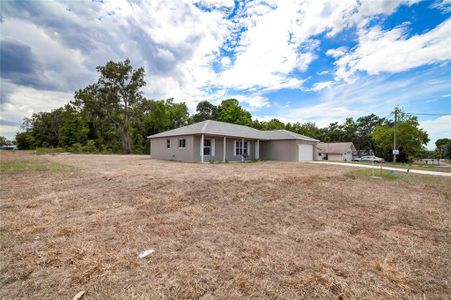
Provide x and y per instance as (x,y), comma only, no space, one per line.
(376,166)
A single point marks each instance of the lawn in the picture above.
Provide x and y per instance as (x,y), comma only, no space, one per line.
(229,231)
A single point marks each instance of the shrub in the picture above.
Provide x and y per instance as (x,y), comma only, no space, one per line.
(90,147)
(77,148)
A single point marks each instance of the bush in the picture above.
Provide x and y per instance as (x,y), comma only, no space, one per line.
(90,147)
(105,150)
(77,148)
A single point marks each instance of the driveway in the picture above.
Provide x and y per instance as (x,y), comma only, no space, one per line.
(423,172)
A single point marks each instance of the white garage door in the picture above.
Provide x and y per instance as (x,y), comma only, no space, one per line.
(305,152)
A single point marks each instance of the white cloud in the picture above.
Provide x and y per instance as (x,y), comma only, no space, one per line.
(226,61)
(322,85)
(438,128)
(180,45)
(24,101)
(385,7)
(8,131)
(391,51)
(376,94)
(175,41)
(254,101)
(277,40)
(443,5)
(336,53)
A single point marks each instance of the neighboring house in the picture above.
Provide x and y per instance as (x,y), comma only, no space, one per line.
(218,141)
(336,151)
(8,147)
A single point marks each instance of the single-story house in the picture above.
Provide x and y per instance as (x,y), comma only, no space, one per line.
(336,151)
(219,141)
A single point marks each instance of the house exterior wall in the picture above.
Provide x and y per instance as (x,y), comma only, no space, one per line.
(158,149)
(315,150)
(347,156)
(219,148)
(335,157)
(283,150)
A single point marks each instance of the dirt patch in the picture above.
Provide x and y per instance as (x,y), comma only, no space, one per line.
(258,230)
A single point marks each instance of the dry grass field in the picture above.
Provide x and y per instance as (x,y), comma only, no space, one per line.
(73,223)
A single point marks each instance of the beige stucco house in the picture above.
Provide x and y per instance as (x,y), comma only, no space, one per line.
(336,151)
(219,141)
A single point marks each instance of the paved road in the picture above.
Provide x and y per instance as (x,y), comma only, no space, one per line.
(424,172)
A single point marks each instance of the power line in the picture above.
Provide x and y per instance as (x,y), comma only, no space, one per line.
(427,114)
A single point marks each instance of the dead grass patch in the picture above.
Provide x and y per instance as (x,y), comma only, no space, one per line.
(227,231)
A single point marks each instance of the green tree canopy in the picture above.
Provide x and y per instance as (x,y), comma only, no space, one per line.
(205,111)
(410,137)
(231,111)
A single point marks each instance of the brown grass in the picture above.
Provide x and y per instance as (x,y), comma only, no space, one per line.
(262,230)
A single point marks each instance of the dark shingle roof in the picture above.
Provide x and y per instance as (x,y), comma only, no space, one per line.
(228,129)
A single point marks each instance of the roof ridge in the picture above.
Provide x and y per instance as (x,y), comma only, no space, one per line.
(205,125)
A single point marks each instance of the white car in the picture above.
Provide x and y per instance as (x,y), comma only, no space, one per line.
(371,158)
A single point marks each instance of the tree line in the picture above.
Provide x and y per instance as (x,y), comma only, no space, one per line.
(113,116)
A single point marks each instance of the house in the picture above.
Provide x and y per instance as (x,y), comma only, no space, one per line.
(219,141)
(336,151)
(8,147)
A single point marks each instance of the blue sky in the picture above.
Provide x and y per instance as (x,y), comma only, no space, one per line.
(319,61)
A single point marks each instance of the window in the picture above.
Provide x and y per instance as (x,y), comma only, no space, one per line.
(168,144)
(239,149)
(182,143)
(207,147)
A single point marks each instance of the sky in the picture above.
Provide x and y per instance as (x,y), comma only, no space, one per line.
(317,61)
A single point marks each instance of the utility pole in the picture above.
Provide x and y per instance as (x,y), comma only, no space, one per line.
(394,135)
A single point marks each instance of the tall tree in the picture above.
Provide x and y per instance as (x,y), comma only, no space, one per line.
(205,111)
(410,138)
(231,111)
(115,94)
(443,149)
(178,113)
(365,126)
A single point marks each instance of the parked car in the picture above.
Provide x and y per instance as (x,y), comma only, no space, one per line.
(371,158)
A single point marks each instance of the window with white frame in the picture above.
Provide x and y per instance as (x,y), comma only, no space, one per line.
(207,147)
(168,144)
(182,143)
(241,148)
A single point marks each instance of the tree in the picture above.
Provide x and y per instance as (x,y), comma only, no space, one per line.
(177,112)
(349,129)
(443,149)
(273,124)
(205,111)
(231,111)
(308,129)
(365,126)
(115,94)
(410,138)
(3,141)
(22,140)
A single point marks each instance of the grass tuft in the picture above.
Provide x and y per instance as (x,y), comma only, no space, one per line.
(30,165)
